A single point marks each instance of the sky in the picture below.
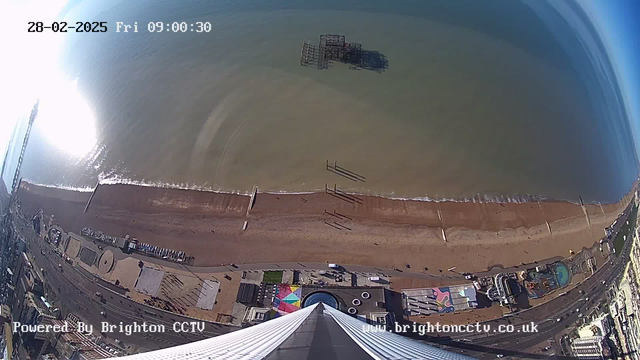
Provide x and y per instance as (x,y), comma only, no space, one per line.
(34,56)
(617,23)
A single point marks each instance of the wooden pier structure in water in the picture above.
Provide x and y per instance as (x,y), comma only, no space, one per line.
(330,48)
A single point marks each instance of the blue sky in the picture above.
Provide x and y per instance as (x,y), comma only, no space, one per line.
(617,23)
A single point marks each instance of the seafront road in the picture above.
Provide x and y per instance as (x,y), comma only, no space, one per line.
(546,315)
(76,294)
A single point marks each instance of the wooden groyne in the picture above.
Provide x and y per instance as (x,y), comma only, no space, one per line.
(91,197)
(586,213)
(252,199)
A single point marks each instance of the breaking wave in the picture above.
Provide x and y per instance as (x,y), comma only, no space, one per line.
(116,179)
(59,186)
(113,179)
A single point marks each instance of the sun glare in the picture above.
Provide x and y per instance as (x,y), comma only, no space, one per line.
(65,118)
(33,73)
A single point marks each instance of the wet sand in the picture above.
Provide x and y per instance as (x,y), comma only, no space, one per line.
(374,231)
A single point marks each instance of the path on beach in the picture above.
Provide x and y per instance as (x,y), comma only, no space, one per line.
(302,266)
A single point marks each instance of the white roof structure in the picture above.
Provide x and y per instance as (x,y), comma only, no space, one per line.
(149,281)
(318,330)
(208,294)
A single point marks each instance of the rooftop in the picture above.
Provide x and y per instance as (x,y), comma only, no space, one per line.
(437,300)
(369,300)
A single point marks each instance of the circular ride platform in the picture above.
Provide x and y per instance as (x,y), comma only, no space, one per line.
(106,261)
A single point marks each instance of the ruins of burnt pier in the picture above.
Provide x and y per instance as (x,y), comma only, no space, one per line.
(335,48)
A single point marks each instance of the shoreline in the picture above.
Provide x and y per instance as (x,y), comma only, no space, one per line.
(387,209)
(293,227)
(476,199)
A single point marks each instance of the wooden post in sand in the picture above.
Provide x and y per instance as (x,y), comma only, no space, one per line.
(91,197)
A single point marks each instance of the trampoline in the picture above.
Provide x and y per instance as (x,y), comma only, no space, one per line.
(320,296)
(562,274)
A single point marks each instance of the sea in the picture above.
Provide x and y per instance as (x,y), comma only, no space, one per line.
(472,100)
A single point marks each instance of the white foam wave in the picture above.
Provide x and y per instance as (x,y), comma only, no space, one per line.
(113,179)
(479,198)
(59,186)
(282,192)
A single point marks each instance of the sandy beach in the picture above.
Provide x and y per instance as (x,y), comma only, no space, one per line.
(371,231)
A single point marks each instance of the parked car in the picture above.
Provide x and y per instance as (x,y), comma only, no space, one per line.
(468,276)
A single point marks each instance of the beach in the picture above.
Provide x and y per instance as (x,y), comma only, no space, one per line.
(293,227)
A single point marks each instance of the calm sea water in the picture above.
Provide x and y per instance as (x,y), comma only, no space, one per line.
(478,98)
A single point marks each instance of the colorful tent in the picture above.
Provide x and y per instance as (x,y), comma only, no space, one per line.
(288,298)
